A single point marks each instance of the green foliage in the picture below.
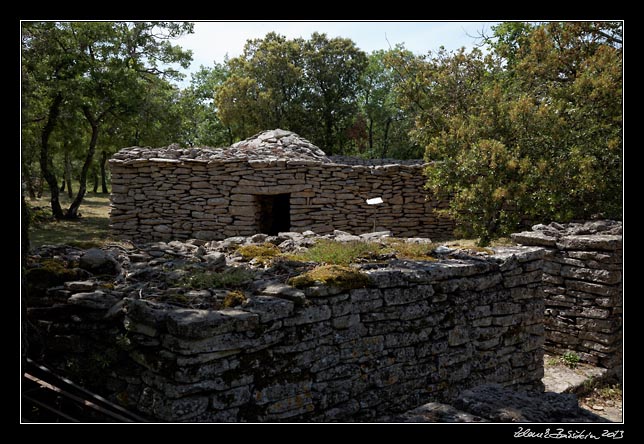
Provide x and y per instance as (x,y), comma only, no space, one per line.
(508,39)
(381,129)
(200,125)
(338,276)
(333,70)
(263,254)
(229,278)
(532,129)
(570,359)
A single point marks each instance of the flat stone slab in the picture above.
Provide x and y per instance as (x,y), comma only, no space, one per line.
(559,378)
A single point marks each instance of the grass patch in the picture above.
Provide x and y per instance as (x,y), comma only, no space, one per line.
(338,253)
(338,276)
(411,251)
(230,278)
(263,253)
(90,230)
(346,253)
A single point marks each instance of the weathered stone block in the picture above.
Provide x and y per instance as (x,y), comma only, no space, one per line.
(588,274)
(458,336)
(192,323)
(269,308)
(590,242)
(308,315)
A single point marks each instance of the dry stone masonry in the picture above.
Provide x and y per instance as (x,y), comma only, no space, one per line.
(275,181)
(583,288)
(418,331)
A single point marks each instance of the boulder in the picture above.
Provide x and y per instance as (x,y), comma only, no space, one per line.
(97,261)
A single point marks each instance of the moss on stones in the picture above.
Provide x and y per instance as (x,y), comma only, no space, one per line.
(263,253)
(338,276)
(50,273)
(233,299)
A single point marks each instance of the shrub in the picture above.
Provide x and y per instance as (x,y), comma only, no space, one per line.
(570,359)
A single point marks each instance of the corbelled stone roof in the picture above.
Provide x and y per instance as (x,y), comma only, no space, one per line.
(277,143)
(268,145)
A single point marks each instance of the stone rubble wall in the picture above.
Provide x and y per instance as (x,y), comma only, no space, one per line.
(421,331)
(583,289)
(349,160)
(180,198)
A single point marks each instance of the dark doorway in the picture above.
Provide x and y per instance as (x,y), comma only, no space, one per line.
(274,213)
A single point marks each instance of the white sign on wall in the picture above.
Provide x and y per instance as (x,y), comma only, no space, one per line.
(375,201)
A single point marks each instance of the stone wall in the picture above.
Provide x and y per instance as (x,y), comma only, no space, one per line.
(420,331)
(349,160)
(171,193)
(583,289)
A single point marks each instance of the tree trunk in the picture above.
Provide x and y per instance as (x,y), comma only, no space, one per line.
(328,133)
(95,174)
(45,158)
(385,139)
(103,172)
(371,137)
(39,186)
(30,183)
(72,212)
(68,172)
(62,185)
(23,287)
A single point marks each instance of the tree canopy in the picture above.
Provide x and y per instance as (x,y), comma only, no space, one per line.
(80,78)
(306,86)
(526,129)
(532,130)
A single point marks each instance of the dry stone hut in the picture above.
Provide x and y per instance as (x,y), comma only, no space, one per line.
(272,182)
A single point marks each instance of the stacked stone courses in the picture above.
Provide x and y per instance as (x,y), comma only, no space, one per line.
(582,284)
(418,332)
